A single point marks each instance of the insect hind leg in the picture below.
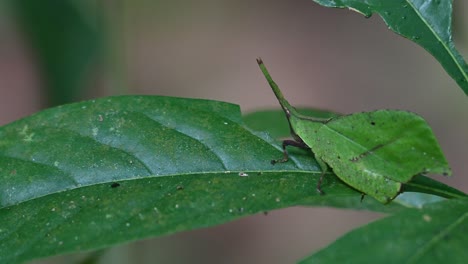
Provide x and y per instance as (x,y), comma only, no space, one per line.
(323,168)
(292,143)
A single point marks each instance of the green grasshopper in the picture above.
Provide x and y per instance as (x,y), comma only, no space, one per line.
(373,152)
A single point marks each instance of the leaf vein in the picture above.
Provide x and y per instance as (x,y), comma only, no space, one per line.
(437,238)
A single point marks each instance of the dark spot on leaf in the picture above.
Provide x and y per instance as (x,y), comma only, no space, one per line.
(338,157)
(372,123)
(115,185)
(180,187)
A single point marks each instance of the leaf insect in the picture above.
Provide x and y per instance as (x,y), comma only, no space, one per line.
(373,152)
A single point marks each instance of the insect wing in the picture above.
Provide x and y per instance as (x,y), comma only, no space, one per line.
(376,151)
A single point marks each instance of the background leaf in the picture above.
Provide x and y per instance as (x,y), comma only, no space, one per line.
(65,42)
(275,123)
(434,234)
(428,23)
(92,174)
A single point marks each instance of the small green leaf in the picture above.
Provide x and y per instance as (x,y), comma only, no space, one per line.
(434,234)
(427,23)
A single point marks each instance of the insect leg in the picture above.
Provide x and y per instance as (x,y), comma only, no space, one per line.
(324,168)
(293,143)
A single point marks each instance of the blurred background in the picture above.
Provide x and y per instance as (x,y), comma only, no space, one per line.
(59,51)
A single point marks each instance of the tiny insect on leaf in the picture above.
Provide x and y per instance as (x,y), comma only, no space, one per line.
(374,152)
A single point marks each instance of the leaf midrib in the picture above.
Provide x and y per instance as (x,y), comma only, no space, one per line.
(431,243)
(363,148)
(447,49)
(253,172)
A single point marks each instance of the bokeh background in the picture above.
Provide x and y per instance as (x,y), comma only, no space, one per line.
(59,51)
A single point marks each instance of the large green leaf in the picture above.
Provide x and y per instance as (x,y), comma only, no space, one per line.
(88,175)
(435,234)
(428,23)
